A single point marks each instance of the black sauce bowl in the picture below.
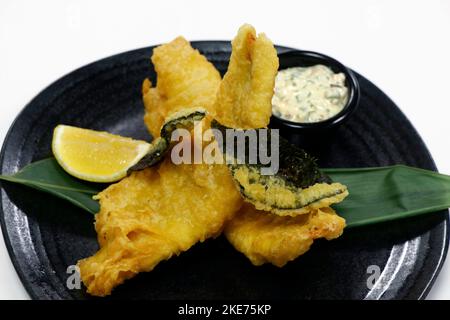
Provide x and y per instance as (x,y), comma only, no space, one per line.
(299,58)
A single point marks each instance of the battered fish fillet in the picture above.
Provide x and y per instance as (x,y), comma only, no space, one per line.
(265,237)
(185,79)
(161,211)
(155,214)
(244,99)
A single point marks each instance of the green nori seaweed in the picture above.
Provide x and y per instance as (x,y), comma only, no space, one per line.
(185,121)
(155,155)
(296,167)
(297,171)
(160,146)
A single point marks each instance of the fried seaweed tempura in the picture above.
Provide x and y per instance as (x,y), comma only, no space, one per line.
(265,237)
(245,101)
(164,210)
(185,79)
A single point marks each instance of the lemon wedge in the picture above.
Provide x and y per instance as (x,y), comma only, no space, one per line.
(94,155)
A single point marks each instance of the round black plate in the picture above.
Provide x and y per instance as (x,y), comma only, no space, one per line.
(45,235)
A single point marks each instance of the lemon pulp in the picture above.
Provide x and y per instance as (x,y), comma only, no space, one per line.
(95,155)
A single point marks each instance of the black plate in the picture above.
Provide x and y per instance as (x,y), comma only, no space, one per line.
(45,235)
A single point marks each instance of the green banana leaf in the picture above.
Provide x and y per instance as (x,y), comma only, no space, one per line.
(388,193)
(46,175)
(376,194)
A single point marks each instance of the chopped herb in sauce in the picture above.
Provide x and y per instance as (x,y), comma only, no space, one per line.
(309,94)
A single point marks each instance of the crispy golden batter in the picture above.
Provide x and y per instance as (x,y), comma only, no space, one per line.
(161,211)
(153,215)
(265,237)
(276,196)
(245,101)
(245,95)
(164,210)
(185,79)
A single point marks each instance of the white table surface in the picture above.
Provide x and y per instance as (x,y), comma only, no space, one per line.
(402,46)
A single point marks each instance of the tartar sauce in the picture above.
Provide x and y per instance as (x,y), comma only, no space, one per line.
(309,94)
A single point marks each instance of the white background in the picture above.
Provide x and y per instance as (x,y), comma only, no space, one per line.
(402,46)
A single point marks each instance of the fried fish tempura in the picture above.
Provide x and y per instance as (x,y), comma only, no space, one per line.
(162,211)
(185,79)
(155,214)
(264,237)
(245,95)
(245,101)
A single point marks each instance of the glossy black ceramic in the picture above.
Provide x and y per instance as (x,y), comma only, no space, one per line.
(45,235)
